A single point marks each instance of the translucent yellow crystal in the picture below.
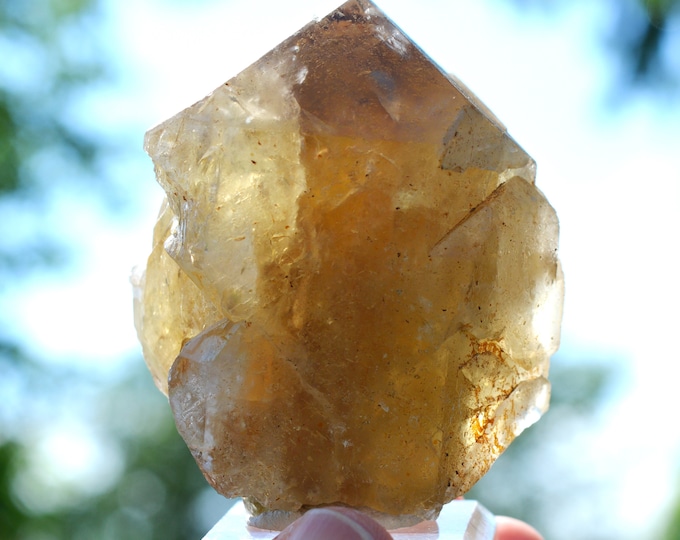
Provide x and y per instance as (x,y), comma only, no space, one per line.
(367,273)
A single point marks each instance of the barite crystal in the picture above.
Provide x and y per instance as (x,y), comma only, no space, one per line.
(354,287)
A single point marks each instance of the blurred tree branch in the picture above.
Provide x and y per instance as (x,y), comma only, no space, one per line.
(639,39)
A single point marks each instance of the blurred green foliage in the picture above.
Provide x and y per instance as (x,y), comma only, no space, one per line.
(157,485)
(673,530)
(42,151)
(52,37)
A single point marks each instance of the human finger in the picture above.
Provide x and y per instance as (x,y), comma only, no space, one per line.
(508,528)
(334,523)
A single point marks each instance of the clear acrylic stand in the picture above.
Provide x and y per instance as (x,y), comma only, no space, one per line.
(458,520)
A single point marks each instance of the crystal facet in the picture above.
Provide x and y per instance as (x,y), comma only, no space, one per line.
(354,285)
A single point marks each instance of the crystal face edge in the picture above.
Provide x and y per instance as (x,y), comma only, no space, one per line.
(352,11)
(475,144)
(382,216)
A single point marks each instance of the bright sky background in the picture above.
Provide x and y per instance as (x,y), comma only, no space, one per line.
(612,174)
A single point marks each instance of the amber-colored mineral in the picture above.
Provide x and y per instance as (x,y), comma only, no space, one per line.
(354,284)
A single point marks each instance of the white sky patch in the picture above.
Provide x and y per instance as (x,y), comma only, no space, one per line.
(85,316)
(67,458)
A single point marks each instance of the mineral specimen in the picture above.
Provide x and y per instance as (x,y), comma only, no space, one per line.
(354,285)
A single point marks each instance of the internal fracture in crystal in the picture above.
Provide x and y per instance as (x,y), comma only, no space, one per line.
(354,287)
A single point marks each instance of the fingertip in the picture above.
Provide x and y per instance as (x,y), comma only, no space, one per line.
(334,523)
(508,528)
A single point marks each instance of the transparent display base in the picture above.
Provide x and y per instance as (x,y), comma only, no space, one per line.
(458,520)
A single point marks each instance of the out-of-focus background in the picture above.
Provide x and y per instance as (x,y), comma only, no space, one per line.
(591,88)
